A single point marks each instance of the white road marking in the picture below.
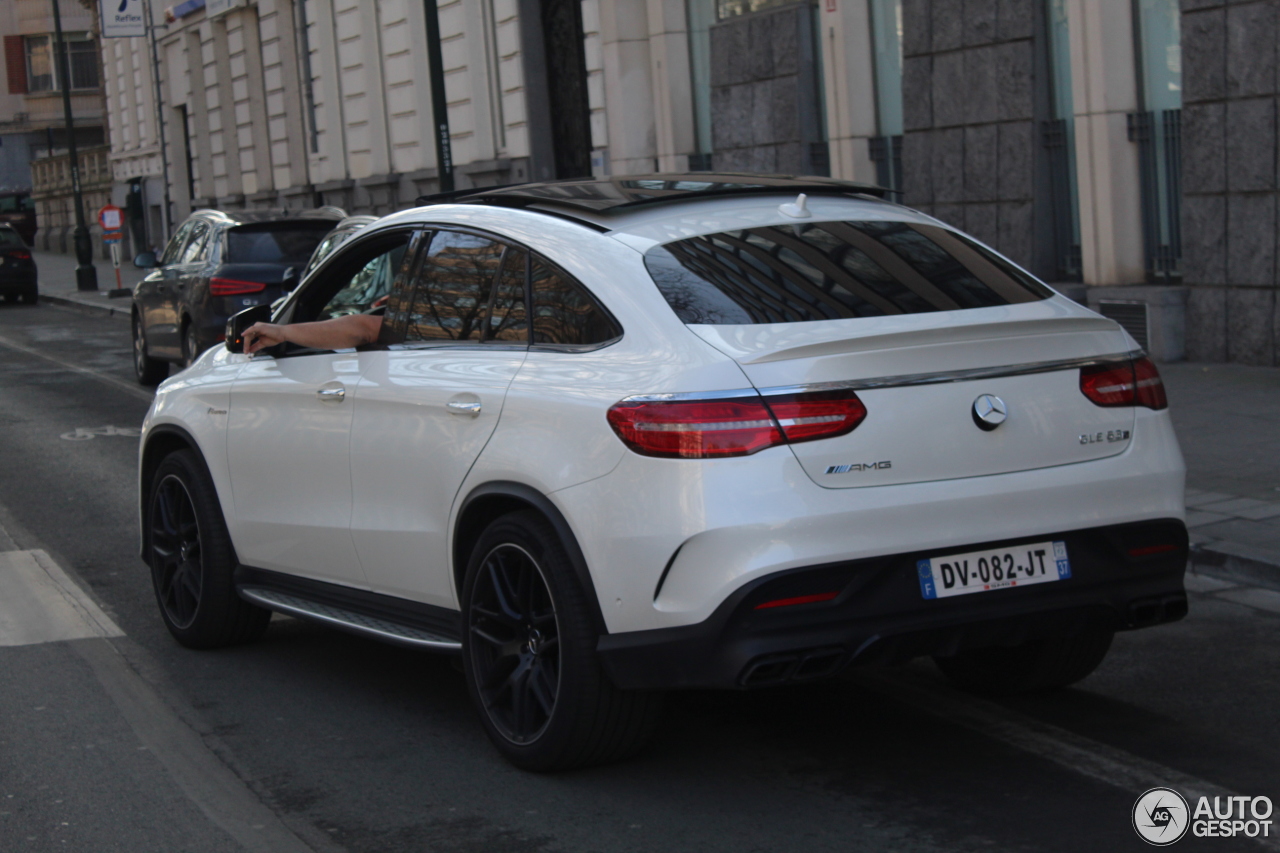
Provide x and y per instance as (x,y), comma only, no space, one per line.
(87,433)
(40,604)
(133,390)
(1067,749)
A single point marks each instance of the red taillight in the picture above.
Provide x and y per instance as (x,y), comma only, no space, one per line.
(739,426)
(820,414)
(692,429)
(1150,386)
(19,255)
(799,599)
(234,287)
(1129,383)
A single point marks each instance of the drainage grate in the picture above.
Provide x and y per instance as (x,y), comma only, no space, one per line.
(1131,315)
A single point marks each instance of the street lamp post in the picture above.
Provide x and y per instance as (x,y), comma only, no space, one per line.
(86,273)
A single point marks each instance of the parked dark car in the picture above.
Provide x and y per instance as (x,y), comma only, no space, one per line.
(217,264)
(17,268)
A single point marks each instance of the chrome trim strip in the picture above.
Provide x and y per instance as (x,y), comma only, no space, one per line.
(690,395)
(379,629)
(954,375)
(896,381)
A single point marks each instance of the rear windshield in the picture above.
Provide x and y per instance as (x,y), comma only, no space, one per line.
(832,271)
(9,239)
(275,242)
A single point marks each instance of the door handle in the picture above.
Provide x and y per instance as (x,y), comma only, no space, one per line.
(332,395)
(463,407)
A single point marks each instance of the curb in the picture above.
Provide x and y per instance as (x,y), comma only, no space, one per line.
(1240,563)
(117,310)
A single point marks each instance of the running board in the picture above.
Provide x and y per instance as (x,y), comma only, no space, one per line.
(350,620)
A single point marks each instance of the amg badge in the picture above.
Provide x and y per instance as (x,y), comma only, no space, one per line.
(864,466)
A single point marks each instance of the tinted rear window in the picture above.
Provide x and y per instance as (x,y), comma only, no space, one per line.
(275,243)
(832,271)
(9,239)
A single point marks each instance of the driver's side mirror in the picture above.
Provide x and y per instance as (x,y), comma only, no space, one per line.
(237,323)
(146,261)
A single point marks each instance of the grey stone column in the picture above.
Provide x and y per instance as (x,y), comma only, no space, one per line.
(1230,160)
(970,104)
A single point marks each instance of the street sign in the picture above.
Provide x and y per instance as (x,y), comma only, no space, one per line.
(112,236)
(111,218)
(122,18)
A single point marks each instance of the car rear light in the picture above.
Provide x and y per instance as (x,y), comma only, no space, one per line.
(234,287)
(1150,386)
(18,255)
(695,429)
(819,414)
(738,426)
(1130,383)
(799,599)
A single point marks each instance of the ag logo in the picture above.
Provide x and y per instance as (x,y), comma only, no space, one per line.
(1161,817)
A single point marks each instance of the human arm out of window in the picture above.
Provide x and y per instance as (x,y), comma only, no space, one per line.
(353,330)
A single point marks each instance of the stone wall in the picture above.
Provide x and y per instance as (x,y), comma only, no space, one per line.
(1229,164)
(969,117)
(764,93)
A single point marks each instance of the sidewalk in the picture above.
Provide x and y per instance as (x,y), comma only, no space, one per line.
(1227,417)
(57,274)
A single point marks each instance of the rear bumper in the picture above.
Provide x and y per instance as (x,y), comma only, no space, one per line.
(881,616)
(12,281)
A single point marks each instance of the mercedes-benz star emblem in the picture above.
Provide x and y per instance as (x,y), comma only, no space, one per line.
(989,412)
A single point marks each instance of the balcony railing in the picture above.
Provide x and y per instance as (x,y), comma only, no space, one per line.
(51,176)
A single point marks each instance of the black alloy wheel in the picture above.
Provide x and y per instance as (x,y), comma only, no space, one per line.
(515,648)
(528,653)
(149,371)
(175,551)
(192,560)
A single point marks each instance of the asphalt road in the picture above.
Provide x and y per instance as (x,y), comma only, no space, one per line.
(313,739)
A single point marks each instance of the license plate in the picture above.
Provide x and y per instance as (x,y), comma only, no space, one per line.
(995,568)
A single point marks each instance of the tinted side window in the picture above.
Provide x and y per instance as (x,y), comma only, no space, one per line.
(196,243)
(508,320)
(563,311)
(173,249)
(451,295)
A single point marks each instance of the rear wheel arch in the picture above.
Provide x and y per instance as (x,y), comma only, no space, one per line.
(489,502)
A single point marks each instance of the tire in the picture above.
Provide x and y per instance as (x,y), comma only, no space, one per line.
(31,297)
(528,651)
(149,371)
(190,345)
(1036,665)
(192,560)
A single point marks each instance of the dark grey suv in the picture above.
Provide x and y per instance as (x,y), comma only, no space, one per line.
(216,264)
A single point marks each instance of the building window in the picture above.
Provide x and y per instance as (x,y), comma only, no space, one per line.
(701,15)
(42,69)
(1157,128)
(886,45)
(1059,138)
(733,8)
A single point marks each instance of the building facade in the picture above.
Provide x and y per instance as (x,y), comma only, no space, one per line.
(1052,129)
(33,136)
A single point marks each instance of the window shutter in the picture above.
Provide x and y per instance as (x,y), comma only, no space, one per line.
(15,64)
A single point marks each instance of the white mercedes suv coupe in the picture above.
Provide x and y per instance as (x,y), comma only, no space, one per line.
(632,434)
